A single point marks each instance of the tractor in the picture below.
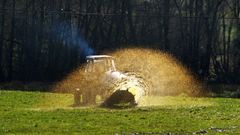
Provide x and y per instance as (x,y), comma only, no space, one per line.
(117,88)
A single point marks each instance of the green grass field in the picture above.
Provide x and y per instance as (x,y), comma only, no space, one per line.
(47,113)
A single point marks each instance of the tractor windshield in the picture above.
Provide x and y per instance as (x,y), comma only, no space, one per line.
(100,64)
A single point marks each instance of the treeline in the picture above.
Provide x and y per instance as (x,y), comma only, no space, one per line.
(43,40)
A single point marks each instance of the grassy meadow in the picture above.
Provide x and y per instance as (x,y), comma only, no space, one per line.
(49,113)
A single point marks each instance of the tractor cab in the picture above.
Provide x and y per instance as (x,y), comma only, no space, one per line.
(100,63)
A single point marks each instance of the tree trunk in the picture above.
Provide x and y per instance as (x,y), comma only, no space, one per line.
(11,47)
(166,14)
(132,36)
(2,38)
(212,8)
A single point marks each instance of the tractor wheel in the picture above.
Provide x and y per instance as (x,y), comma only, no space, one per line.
(119,99)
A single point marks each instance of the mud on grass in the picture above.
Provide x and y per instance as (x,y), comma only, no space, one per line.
(47,113)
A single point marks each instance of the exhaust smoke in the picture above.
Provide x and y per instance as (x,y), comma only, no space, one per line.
(70,35)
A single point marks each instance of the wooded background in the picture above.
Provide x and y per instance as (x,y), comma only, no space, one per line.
(41,40)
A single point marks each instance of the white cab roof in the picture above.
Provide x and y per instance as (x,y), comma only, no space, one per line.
(98,56)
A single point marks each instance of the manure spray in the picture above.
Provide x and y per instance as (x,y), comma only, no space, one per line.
(163,74)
